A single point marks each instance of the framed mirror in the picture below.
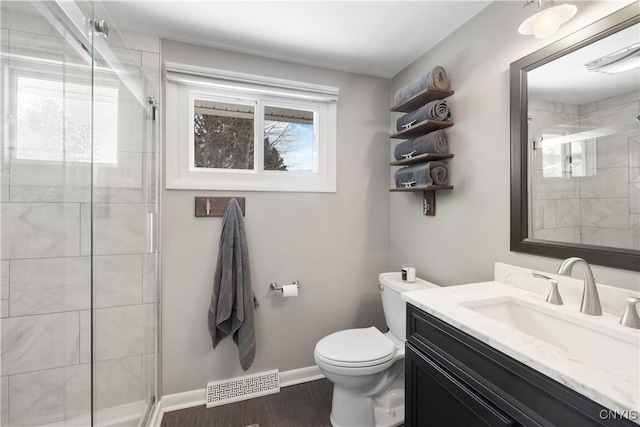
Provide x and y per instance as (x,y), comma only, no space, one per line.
(575,145)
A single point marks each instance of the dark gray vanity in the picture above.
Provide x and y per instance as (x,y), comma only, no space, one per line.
(453,379)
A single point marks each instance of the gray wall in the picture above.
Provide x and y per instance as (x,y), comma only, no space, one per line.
(335,244)
(471,228)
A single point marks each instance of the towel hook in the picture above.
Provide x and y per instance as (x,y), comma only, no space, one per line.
(275,287)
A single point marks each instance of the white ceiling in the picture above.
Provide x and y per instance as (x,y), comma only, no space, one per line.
(378,38)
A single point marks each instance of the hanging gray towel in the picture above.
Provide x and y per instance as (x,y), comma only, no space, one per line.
(232,302)
(430,173)
(433,142)
(435,79)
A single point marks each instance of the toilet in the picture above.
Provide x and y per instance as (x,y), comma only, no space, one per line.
(366,366)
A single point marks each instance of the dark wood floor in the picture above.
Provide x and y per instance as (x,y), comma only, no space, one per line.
(302,405)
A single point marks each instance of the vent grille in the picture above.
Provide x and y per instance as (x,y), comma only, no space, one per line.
(242,388)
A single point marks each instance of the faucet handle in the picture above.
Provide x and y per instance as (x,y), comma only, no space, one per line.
(630,317)
(554,295)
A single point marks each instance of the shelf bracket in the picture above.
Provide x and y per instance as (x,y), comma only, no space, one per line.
(429,203)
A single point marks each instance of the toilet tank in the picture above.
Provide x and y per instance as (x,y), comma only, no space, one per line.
(395,310)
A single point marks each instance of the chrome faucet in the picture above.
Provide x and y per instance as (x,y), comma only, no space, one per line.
(590,299)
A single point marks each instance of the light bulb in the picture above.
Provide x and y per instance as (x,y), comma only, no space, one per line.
(546,25)
(547,20)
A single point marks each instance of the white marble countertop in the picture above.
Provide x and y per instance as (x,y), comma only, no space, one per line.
(618,391)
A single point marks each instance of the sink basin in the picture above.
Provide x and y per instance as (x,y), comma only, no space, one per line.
(604,347)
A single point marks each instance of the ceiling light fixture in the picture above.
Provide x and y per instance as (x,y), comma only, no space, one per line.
(547,19)
(626,59)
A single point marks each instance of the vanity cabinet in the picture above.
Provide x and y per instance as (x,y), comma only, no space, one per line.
(448,402)
(453,379)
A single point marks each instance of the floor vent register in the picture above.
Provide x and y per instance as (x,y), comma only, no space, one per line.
(242,388)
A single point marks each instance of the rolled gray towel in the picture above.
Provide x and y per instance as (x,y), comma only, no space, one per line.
(434,110)
(430,173)
(436,78)
(433,142)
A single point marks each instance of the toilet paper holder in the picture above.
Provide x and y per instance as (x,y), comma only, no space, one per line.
(275,287)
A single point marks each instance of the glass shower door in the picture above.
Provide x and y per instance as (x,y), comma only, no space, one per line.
(123,214)
(46,179)
(79,214)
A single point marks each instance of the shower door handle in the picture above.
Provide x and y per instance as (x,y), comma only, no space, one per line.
(151,232)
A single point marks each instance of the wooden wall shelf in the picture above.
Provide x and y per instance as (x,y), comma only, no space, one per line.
(422,128)
(421,98)
(422,188)
(415,102)
(428,196)
(427,157)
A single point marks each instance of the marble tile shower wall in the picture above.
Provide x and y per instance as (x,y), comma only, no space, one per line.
(46,227)
(601,209)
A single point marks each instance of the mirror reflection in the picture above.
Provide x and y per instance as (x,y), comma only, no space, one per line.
(584,145)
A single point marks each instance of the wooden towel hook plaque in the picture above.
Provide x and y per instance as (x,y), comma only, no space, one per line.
(215,206)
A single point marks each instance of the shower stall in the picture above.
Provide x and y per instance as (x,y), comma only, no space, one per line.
(79,219)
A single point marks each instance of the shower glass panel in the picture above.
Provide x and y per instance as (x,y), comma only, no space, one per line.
(123,213)
(78,214)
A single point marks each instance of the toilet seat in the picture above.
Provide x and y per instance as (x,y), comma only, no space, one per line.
(356,348)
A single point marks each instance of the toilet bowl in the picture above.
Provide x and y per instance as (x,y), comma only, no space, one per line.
(366,366)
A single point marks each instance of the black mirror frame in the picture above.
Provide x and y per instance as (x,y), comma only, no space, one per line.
(626,259)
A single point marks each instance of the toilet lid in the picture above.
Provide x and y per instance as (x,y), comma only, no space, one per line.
(355,347)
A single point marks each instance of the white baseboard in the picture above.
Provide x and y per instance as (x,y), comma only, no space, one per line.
(299,376)
(156,416)
(189,399)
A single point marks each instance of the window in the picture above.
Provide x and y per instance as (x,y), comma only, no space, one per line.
(222,135)
(290,142)
(53,121)
(242,132)
(567,159)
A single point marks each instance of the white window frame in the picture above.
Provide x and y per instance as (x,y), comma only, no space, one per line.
(184,84)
